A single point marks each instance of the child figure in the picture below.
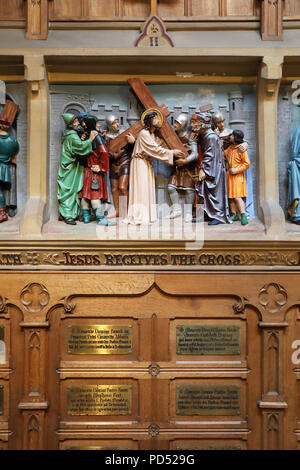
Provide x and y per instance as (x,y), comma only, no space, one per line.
(237,163)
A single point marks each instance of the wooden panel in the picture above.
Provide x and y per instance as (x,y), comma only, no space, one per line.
(99,8)
(291,8)
(204,8)
(171,8)
(241,7)
(61,9)
(135,8)
(12,9)
(206,366)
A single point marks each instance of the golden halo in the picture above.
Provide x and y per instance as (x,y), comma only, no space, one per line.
(152,110)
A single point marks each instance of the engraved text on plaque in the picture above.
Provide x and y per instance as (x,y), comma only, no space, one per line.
(223,400)
(208,339)
(100,339)
(94,400)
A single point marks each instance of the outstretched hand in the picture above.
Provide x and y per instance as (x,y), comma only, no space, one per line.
(202,175)
(178,153)
(93,135)
(130,138)
(95,168)
(181,161)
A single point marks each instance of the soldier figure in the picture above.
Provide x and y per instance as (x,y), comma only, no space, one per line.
(119,163)
(185,173)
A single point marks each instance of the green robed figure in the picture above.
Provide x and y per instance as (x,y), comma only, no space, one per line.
(71,171)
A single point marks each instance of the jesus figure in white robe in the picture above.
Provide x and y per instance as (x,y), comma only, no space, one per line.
(142,200)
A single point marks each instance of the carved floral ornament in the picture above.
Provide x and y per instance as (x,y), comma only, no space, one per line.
(154,370)
(272,297)
(153,430)
(34,297)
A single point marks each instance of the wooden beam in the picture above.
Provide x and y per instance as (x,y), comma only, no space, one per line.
(65,77)
(272,20)
(36,19)
(153,7)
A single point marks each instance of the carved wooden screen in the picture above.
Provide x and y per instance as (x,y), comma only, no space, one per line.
(150,361)
(60,10)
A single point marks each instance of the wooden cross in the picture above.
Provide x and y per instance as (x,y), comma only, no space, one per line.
(166,131)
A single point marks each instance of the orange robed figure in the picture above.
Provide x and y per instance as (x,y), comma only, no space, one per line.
(238,162)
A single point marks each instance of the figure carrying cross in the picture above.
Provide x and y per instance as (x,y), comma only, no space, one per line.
(150,135)
(142,202)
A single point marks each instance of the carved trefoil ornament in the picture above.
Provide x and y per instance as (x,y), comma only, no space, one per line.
(154,34)
(34,297)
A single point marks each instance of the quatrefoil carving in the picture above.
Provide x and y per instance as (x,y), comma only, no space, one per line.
(34,297)
(273,297)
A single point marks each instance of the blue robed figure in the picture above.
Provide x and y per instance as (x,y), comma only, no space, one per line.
(294,178)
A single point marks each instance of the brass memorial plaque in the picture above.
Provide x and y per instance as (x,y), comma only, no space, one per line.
(1,399)
(208,339)
(223,400)
(100,339)
(94,400)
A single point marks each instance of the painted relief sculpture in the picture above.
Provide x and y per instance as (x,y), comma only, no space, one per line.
(96,165)
(185,172)
(71,171)
(237,163)
(9,148)
(119,163)
(161,155)
(212,188)
(141,205)
(294,179)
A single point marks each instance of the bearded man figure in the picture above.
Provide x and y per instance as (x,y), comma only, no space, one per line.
(148,146)
(212,188)
(71,170)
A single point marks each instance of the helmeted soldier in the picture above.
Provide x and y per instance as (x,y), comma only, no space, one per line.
(119,162)
(185,172)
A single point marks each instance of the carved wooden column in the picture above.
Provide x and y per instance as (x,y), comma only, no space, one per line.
(272,303)
(37,133)
(267,103)
(5,372)
(34,298)
(36,19)
(271,20)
